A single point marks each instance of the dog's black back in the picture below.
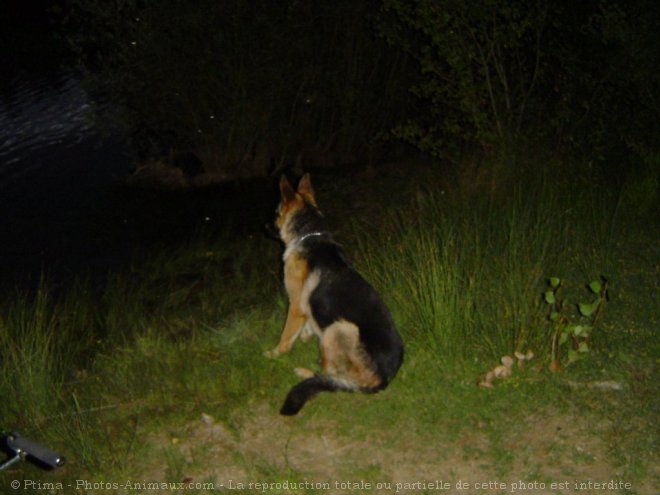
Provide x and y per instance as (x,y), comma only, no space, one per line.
(343,294)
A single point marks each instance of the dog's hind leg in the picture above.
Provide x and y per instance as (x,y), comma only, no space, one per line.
(343,358)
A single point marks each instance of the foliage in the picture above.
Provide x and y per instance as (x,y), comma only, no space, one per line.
(479,62)
(572,333)
(496,73)
(605,99)
(640,191)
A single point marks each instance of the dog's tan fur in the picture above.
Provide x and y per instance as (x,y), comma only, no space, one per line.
(295,274)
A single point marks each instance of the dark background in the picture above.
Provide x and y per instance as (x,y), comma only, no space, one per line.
(236,92)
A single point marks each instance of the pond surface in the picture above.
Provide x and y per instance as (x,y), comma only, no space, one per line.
(57,171)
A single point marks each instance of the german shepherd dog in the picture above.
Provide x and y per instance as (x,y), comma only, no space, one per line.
(360,347)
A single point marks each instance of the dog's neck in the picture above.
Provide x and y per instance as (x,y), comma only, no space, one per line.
(297,243)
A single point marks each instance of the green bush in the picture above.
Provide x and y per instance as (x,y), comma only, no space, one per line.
(499,73)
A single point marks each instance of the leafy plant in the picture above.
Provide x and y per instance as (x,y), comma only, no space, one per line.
(480,64)
(572,332)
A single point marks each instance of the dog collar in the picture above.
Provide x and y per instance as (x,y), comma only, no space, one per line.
(294,245)
(303,238)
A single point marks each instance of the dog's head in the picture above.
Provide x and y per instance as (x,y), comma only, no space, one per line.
(297,213)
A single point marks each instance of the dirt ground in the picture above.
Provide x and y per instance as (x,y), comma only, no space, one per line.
(269,454)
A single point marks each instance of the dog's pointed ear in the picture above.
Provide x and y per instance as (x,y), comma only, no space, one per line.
(305,189)
(286,191)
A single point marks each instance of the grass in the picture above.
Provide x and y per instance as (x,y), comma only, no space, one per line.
(117,378)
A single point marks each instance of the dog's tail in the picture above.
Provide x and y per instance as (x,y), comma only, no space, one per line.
(308,388)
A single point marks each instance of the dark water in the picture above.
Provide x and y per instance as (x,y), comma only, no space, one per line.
(57,173)
(64,211)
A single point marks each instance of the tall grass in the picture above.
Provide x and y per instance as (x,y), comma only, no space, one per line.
(464,274)
(32,359)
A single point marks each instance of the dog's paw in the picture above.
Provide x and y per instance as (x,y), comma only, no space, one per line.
(303,372)
(273,353)
(306,334)
(307,331)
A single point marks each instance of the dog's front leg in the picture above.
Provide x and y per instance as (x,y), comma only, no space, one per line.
(295,272)
(295,320)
